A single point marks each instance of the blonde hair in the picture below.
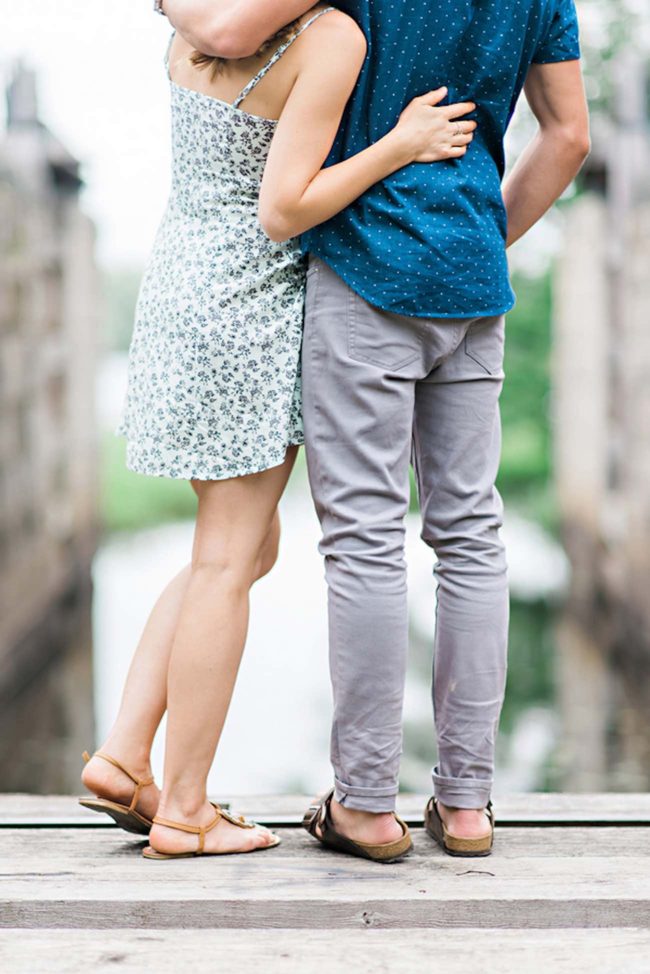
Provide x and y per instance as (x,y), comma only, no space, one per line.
(216,64)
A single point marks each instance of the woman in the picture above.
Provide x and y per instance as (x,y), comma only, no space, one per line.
(214,385)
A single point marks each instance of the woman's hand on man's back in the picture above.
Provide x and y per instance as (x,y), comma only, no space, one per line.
(431,132)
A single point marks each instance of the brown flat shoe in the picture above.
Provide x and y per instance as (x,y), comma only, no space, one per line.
(201,831)
(318,818)
(457,845)
(126,816)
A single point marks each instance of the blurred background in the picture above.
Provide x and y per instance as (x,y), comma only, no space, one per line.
(86,546)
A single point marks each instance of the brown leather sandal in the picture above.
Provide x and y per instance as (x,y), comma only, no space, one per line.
(318,822)
(126,816)
(456,845)
(201,831)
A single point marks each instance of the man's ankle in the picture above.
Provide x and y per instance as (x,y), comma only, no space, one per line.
(467,822)
(365,826)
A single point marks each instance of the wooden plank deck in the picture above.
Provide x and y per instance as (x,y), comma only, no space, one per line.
(75,893)
(622,951)
(607,808)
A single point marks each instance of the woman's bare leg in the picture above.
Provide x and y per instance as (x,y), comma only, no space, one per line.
(236,519)
(144,699)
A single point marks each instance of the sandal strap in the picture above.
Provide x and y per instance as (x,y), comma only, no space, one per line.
(139,783)
(326,821)
(320,818)
(200,830)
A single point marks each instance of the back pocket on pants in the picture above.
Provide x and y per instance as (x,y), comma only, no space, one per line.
(485,341)
(381,338)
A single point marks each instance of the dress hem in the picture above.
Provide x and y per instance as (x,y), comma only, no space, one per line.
(206,473)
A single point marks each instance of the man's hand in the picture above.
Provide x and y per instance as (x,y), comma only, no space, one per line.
(232,28)
(555,93)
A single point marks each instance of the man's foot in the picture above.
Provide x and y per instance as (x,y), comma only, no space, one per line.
(382,837)
(106,781)
(377,828)
(466,823)
(223,838)
(460,831)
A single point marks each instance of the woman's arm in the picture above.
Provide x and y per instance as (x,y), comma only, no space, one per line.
(297,193)
(232,28)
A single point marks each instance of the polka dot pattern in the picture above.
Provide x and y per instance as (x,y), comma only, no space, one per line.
(429,241)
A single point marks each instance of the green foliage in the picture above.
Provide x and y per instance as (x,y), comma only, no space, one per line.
(131,501)
(526,456)
(531,660)
(609,27)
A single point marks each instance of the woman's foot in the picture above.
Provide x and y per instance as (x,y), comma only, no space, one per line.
(465,823)
(223,838)
(106,781)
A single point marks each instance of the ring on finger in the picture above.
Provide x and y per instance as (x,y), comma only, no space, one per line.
(459,129)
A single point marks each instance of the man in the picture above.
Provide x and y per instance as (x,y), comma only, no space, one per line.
(403,355)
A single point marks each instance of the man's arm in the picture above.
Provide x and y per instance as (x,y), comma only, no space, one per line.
(231,28)
(555,93)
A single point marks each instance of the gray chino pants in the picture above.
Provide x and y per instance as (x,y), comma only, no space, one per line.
(380,389)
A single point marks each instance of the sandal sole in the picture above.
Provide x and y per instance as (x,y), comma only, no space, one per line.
(131,822)
(149,853)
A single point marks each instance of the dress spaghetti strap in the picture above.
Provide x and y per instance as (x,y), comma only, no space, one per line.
(253,83)
(168,52)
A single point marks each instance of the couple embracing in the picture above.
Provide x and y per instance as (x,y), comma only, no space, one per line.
(331,269)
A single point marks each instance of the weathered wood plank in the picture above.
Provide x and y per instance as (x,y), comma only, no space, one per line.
(325,914)
(294,952)
(49,880)
(560,807)
(538,808)
(512,843)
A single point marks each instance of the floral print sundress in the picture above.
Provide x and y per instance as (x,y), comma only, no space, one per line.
(214,363)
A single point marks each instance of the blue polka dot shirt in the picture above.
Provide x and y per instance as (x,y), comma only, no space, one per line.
(429,240)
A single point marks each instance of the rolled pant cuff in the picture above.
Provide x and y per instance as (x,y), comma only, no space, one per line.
(375,799)
(462,792)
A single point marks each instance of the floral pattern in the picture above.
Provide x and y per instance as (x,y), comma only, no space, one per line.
(214,364)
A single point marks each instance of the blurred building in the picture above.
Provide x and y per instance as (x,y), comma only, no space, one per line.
(48,496)
(602,435)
